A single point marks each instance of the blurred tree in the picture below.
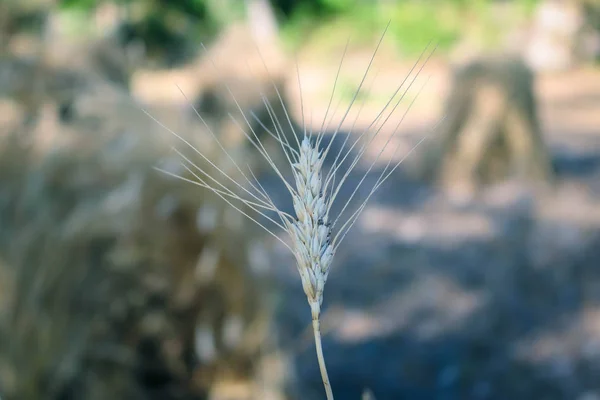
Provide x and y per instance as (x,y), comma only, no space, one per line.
(591,10)
(170,29)
(17,17)
(316,7)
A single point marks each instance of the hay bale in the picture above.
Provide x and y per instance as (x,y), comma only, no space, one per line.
(231,76)
(240,55)
(128,284)
(491,131)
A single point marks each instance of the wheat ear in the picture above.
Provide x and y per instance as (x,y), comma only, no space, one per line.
(313,239)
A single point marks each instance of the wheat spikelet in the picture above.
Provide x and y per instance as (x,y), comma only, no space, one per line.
(313,237)
(311,234)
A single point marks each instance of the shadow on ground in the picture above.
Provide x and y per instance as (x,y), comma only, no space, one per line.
(495,300)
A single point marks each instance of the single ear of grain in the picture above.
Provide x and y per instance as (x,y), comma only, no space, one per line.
(310,233)
(313,194)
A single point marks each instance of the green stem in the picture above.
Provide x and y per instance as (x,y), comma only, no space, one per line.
(323,368)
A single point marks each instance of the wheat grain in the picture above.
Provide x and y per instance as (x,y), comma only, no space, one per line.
(314,240)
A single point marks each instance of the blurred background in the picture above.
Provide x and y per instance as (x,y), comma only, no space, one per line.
(474,273)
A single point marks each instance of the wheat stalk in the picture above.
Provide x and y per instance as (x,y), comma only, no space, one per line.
(314,239)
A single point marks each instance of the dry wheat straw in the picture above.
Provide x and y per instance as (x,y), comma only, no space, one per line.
(314,239)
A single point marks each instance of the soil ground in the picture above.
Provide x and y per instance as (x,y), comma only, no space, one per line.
(496,299)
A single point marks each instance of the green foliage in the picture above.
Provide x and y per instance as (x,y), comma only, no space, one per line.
(171,29)
(414,23)
(78,5)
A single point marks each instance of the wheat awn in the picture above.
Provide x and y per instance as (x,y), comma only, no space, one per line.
(313,239)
